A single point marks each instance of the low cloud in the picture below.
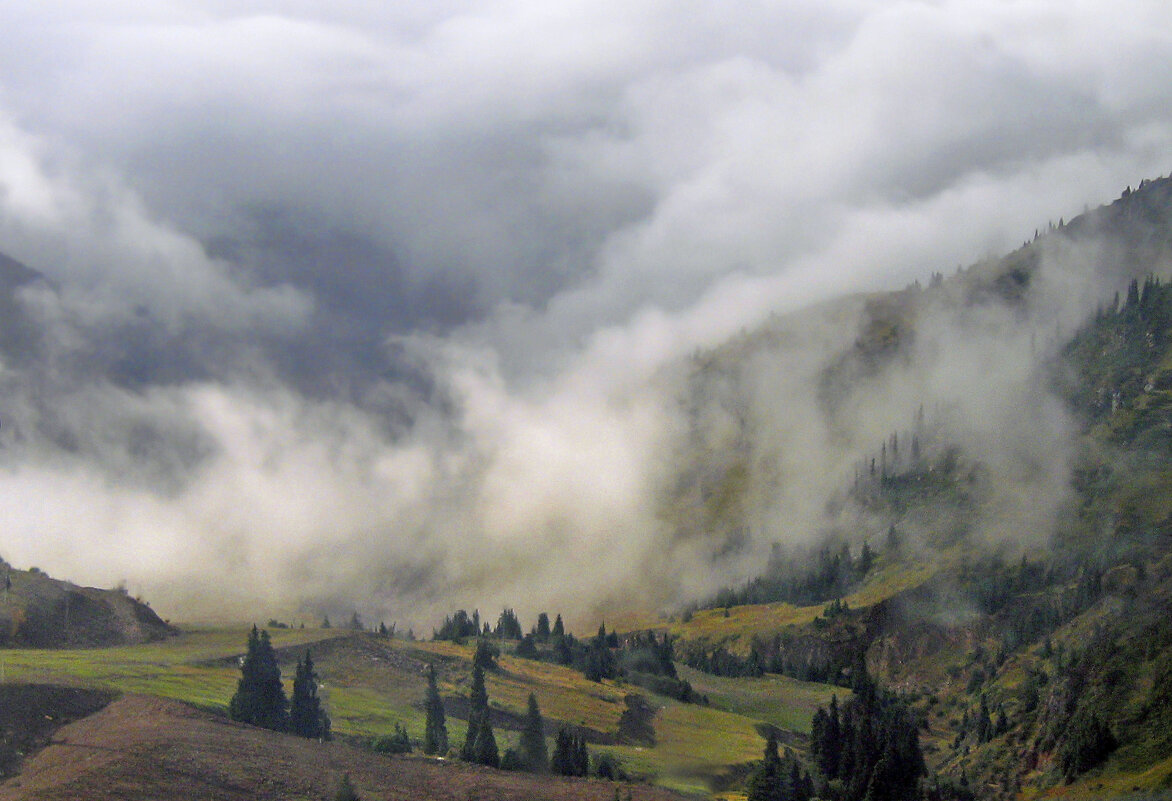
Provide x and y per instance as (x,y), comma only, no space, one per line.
(394,308)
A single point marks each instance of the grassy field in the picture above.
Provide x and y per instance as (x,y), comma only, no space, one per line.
(370,689)
(370,684)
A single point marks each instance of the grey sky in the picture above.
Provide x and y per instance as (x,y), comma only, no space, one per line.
(519,210)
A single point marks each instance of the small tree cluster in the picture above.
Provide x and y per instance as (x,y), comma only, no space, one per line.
(1088,741)
(778,778)
(260,697)
(459,626)
(508,627)
(872,746)
(570,757)
(397,743)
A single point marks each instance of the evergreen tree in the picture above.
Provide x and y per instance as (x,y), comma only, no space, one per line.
(527,648)
(542,627)
(570,756)
(435,733)
(533,750)
(762,784)
(480,744)
(306,716)
(559,628)
(486,654)
(260,698)
(485,750)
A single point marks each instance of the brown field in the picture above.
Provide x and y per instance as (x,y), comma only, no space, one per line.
(147,748)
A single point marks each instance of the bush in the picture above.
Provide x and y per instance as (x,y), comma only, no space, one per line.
(607,767)
(397,743)
(512,760)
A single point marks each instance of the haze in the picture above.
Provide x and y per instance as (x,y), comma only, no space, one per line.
(387,307)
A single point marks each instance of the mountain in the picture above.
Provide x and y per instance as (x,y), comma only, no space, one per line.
(1003,559)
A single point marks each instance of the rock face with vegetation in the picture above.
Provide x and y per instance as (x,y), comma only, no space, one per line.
(42,612)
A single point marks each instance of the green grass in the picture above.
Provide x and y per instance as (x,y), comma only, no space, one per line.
(371,685)
(779,700)
(190,667)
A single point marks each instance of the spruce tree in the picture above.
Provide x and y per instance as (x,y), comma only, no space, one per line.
(477,709)
(435,734)
(260,698)
(764,781)
(533,749)
(559,628)
(543,627)
(485,749)
(306,716)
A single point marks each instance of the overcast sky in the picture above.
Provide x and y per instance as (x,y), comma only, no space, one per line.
(534,205)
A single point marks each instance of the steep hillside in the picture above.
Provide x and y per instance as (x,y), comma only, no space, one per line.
(1011,576)
(42,612)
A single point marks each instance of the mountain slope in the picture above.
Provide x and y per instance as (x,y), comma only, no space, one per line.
(42,612)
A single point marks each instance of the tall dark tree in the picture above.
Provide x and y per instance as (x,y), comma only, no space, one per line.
(559,628)
(435,732)
(260,698)
(533,749)
(480,744)
(485,749)
(542,627)
(763,782)
(307,718)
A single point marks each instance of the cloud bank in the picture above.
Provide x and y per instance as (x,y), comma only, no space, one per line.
(386,306)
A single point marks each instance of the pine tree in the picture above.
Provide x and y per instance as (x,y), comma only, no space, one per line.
(260,698)
(542,627)
(763,783)
(559,628)
(533,749)
(306,716)
(485,750)
(435,734)
(478,719)
(570,756)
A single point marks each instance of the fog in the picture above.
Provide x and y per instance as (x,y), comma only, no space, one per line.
(407,309)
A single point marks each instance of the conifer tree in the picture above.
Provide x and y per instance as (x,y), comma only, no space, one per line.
(542,627)
(485,749)
(559,628)
(260,698)
(533,749)
(476,744)
(435,733)
(306,716)
(762,784)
